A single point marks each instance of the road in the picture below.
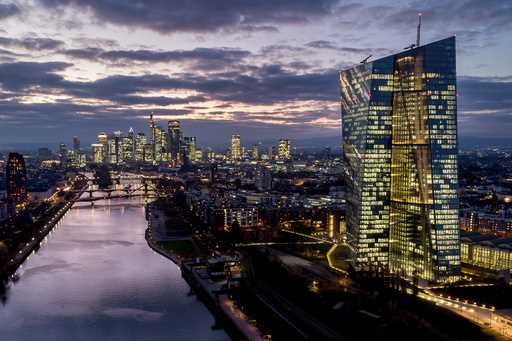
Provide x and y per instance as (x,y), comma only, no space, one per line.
(479,314)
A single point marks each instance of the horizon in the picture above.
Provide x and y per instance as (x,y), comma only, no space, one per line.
(264,71)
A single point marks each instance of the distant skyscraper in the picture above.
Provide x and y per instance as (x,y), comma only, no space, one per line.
(148,153)
(132,137)
(152,135)
(190,144)
(284,149)
(16,182)
(76,144)
(127,146)
(140,142)
(161,145)
(236,148)
(174,136)
(399,117)
(44,153)
(103,140)
(98,151)
(115,148)
(63,154)
(255,152)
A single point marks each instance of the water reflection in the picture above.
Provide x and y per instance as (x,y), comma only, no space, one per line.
(96,279)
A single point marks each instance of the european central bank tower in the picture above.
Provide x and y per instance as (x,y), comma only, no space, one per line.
(399,118)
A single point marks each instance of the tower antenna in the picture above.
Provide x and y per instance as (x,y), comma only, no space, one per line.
(365,60)
(418,33)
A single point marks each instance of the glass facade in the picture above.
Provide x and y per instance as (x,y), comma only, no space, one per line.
(400,148)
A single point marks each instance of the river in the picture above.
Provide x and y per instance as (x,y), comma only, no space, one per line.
(96,279)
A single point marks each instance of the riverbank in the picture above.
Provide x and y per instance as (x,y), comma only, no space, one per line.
(156,237)
(30,247)
(216,298)
(211,291)
(153,244)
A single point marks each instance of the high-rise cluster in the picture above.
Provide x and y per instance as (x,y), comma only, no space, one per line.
(164,146)
(399,119)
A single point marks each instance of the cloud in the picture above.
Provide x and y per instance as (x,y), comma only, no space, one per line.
(25,75)
(8,10)
(36,94)
(202,58)
(31,43)
(478,94)
(486,18)
(329,45)
(200,15)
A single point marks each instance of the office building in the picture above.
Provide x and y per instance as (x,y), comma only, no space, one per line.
(152,135)
(98,153)
(127,147)
(284,149)
(114,148)
(399,119)
(102,139)
(148,153)
(236,148)
(16,183)
(255,152)
(140,142)
(161,145)
(174,147)
(76,144)
(44,153)
(189,148)
(63,154)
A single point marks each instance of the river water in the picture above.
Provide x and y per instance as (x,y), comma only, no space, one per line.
(97,279)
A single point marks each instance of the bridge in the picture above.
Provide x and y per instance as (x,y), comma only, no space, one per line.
(134,185)
(119,191)
(116,178)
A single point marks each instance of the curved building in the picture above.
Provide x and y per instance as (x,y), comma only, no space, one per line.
(399,117)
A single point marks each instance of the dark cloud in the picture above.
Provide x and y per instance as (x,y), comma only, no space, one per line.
(201,15)
(202,58)
(266,85)
(480,99)
(155,100)
(26,75)
(8,10)
(329,45)
(32,43)
(472,18)
(481,94)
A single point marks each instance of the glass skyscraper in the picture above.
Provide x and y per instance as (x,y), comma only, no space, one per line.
(399,117)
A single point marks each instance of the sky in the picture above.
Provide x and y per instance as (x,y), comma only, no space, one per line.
(264,69)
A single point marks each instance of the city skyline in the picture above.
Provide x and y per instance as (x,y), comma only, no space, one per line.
(255,170)
(222,74)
